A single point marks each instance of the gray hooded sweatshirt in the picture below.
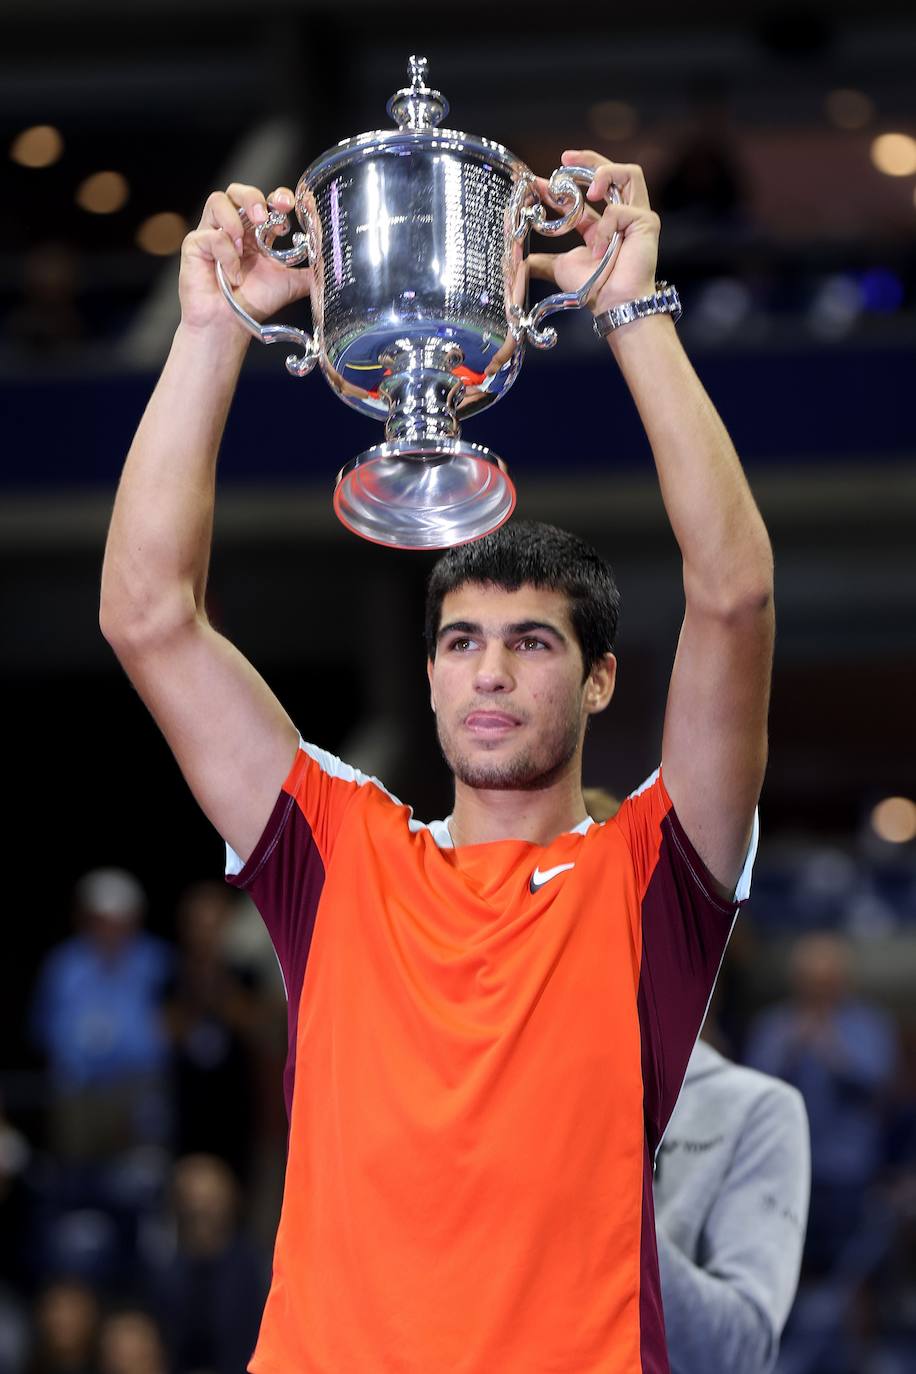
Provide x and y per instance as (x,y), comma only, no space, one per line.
(732,1184)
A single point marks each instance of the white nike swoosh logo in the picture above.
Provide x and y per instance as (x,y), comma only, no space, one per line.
(538,879)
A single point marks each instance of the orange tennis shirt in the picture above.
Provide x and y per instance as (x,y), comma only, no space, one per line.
(485,1045)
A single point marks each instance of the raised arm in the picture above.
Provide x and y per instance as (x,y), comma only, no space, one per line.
(714,747)
(231,738)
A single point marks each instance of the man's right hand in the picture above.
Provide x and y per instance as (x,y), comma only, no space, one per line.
(263,287)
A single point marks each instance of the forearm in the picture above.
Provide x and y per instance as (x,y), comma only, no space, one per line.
(158,547)
(710,1324)
(722,538)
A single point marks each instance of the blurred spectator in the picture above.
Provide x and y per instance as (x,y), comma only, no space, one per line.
(841,1055)
(249,949)
(210,1284)
(14,1157)
(731,1188)
(213,1013)
(130,1343)
(890,1300)
(97,1017)
(47,322)
(14,1332)
(66,1330)
(600,804)
(705,184)
(901,1143)
(888,1303)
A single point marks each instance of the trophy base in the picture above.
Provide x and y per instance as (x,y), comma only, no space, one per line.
(424,494)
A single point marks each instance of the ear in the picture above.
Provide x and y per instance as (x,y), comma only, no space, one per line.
(600,683)
(429,674)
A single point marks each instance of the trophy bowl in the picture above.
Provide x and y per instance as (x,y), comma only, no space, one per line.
(417,240)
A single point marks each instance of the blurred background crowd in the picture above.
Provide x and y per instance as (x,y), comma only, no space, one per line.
(143,1017)
(140,1180)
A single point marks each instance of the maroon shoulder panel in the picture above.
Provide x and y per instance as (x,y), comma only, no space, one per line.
(285,878)
(685,929)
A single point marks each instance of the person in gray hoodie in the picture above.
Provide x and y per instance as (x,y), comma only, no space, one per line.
(732,1183)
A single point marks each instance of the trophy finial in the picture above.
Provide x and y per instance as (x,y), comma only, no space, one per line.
(417,106)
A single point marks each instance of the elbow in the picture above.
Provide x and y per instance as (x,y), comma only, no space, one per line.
(735,582)
(755,581)
(113,620)
(745,600)
(754,602)
(750,1339)
(758,1352)
(759,587)
(741,1340)
(133,628)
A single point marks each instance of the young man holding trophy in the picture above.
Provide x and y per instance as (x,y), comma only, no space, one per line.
(489,1016)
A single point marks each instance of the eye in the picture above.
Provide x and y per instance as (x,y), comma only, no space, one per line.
(531,642)
(460,645)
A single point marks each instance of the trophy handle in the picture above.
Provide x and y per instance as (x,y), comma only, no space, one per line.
(564,187)
(298,365)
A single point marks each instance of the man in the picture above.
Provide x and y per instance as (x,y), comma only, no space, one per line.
(207,1287)
(98,1016)
(490,1017)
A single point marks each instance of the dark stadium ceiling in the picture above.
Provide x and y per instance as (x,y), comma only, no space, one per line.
(179,98)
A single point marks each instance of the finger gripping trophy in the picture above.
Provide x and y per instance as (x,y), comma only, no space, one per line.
(417,240)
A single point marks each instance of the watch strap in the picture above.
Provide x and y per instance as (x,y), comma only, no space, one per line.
(664,301)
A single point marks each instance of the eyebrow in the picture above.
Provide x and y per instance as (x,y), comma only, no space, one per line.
(518,627)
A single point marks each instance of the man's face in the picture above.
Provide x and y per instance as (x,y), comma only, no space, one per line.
(507,686)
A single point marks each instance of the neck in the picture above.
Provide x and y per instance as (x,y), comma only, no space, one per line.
(481,816)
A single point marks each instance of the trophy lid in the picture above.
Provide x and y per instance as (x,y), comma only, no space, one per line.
(417,106)
(417,110)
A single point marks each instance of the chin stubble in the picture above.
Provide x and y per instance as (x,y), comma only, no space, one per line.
(526,772)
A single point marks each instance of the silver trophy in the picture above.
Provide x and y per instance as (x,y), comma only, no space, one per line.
(417,240)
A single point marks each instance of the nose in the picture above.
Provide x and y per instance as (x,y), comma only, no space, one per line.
(494,669)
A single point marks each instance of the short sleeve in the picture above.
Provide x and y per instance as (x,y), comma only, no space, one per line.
(321,786)
(684,927)
(285,874)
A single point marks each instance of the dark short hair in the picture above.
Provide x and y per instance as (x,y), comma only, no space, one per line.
(528,553)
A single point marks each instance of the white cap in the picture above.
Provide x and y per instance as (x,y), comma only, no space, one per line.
(111,892)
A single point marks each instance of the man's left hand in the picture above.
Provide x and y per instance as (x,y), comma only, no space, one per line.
(633,272)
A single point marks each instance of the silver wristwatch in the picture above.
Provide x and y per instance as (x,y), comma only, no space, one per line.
(665,301)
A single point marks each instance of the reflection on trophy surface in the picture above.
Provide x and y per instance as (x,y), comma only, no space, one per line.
(417,239)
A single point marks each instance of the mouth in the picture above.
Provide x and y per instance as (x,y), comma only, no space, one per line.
(491,724)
